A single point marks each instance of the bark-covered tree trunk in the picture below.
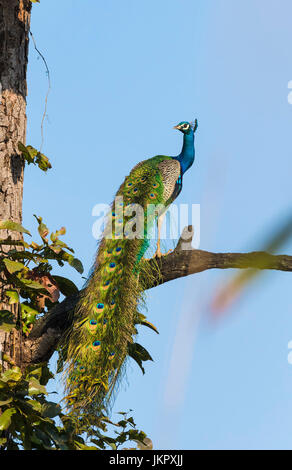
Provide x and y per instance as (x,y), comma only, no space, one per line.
(14,39)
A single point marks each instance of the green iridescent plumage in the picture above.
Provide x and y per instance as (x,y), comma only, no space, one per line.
(105,318)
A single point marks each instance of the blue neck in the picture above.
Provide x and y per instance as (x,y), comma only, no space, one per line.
(187,155)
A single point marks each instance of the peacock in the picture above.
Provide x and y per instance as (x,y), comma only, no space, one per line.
(105,317)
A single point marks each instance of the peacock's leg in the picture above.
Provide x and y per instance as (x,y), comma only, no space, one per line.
(158,253)
(160,220)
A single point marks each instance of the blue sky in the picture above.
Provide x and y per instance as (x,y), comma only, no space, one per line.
(123,73)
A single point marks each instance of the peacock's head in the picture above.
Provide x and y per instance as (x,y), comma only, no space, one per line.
(187,127)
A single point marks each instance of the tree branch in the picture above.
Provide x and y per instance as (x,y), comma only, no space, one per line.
(183,261)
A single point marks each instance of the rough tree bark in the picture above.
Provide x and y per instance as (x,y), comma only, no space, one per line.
(14,39)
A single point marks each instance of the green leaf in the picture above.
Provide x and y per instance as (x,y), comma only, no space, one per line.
(136,435)
(35,388)
(28,152)
(13,375)
(43,162)
(74,262)
(84,446)
(139,354)
(36,405)
(24,254)
(13,266)
(131,421)
(41,373)
(31,155)
(51,409)
(28,314)
(5,418)
(111,444)
(29,283)
(9,225)
(66,286)
(122,423)
(42,228)
(6,320)
(35,246)
(34,372)
(150,325)
(142,321)
(55,236)
(6,402)
(13,296)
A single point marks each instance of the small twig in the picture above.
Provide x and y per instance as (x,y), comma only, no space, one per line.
(49,88)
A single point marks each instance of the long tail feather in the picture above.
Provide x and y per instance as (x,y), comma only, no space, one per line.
(104,320)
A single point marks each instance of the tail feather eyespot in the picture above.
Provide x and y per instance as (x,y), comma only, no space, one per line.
(118,251)
(112,304)
(112,267)
(106,285)
(96,345)
(92,325)
(108,253)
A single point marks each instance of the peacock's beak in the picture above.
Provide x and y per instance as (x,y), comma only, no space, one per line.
(176,127)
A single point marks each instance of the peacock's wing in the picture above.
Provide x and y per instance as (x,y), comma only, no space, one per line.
(171,175)
(157,180)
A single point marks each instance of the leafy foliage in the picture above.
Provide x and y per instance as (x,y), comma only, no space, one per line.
(139,354)
(28,418)
(27,267)
(31,155)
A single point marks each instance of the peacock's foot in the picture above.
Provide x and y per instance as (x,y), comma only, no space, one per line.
(158,254)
